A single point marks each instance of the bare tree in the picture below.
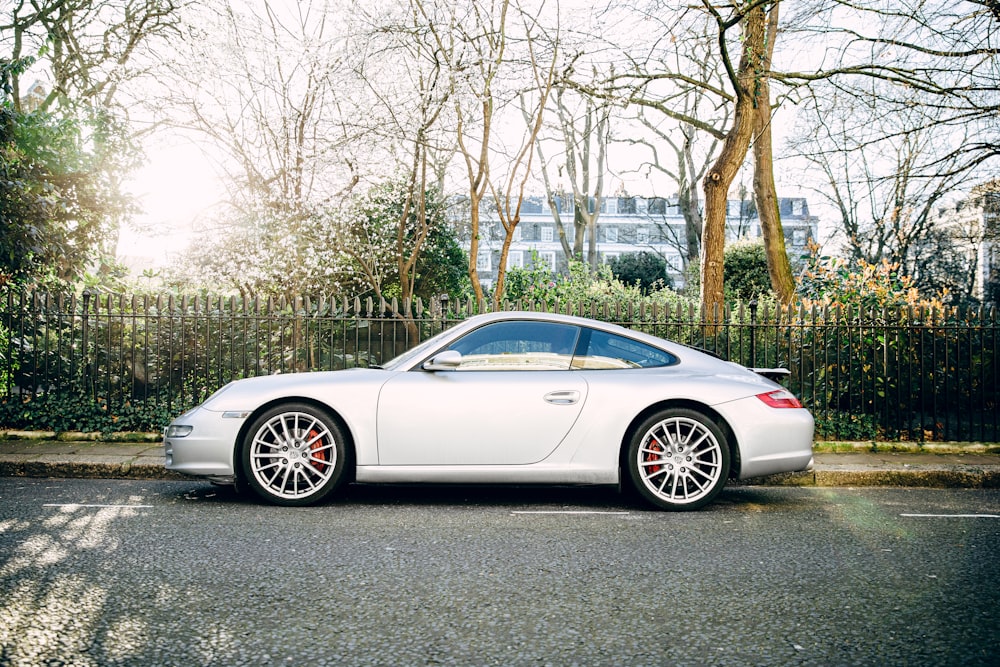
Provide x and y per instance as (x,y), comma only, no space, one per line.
(488,46)
(582,132)
(685,121)
(765,192)
(260,86)
(685,165)
(938,59)
(409,93)
(758,26)
(90,48)
(872,178)
(914,85)
(666,73)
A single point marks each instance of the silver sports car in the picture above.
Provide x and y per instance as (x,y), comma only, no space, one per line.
(503,398)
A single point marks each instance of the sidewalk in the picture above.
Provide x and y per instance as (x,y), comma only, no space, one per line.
(893,464)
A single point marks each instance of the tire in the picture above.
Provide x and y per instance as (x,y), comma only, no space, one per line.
(678,459)
(294,454)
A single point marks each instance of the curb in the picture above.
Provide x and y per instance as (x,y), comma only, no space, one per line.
(955,477)
(125,437)
(139,456)
(951,477)
(89,470)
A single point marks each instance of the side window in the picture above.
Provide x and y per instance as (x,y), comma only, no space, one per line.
(607,351)
(518,346)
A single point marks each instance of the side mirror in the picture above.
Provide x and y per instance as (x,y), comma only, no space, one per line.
(448,360)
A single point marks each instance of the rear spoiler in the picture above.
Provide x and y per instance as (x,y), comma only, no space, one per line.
(776,374)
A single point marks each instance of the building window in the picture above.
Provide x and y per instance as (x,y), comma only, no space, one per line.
(546,233)
(547,259)
(642,235)
(517,233)
(799,237)
(611,234)
(515,259)
(531,205)
(484,261)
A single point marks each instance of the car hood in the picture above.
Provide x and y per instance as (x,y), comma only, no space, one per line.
(249,393)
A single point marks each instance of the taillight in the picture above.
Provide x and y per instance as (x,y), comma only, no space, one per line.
(780,398)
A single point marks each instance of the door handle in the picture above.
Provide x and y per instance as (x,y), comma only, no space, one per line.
(568,397)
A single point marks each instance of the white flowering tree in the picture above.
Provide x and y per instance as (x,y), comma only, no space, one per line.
(399,243)
(254,251)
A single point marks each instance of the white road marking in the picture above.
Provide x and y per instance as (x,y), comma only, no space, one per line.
(954,516)
(572,512)
(79,505)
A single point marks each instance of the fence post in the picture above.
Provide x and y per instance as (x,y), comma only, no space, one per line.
(85,366)
(753,332)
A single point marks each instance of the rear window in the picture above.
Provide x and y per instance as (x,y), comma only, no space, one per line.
(605,351)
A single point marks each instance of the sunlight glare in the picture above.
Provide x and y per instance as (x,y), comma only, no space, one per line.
(174,188)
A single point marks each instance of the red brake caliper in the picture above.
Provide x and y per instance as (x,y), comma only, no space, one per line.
(317,451)
(650,456)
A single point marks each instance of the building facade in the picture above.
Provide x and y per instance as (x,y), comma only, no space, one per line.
(625,225)
(972,225)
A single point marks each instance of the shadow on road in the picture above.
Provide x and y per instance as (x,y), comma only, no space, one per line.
(583,498)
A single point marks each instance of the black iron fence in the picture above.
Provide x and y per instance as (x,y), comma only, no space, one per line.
(912,374)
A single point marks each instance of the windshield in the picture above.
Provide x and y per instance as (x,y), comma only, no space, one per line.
(416,352)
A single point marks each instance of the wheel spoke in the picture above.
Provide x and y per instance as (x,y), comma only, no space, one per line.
(704,439)
(320,435)
(304,475)
(705,475)
(700,487)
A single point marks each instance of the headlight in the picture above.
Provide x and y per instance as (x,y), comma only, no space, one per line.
(178,431)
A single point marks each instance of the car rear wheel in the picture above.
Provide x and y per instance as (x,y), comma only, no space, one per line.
(679,459)
(294,454)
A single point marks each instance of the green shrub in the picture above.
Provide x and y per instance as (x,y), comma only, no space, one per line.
(861,285)
(646,270)
(75,409)
(745,271)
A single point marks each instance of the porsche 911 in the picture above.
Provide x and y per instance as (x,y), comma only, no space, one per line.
(504,398)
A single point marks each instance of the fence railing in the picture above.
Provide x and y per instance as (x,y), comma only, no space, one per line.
(904,374)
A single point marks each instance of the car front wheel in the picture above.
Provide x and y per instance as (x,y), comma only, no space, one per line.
(679,459)
(294,454)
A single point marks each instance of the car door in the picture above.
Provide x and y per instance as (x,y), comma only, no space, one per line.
(511,400)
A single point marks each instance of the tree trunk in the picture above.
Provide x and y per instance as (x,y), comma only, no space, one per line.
(778,266)
(477,287)
(734,150)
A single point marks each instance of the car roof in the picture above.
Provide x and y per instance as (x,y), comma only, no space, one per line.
(685,352)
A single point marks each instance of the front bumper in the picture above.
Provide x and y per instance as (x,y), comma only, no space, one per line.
(208,451)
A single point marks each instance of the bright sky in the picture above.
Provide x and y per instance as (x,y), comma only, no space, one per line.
(175,188)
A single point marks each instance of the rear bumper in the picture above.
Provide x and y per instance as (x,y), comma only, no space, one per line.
(771,440)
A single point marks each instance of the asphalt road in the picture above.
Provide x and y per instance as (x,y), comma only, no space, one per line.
(97,572)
